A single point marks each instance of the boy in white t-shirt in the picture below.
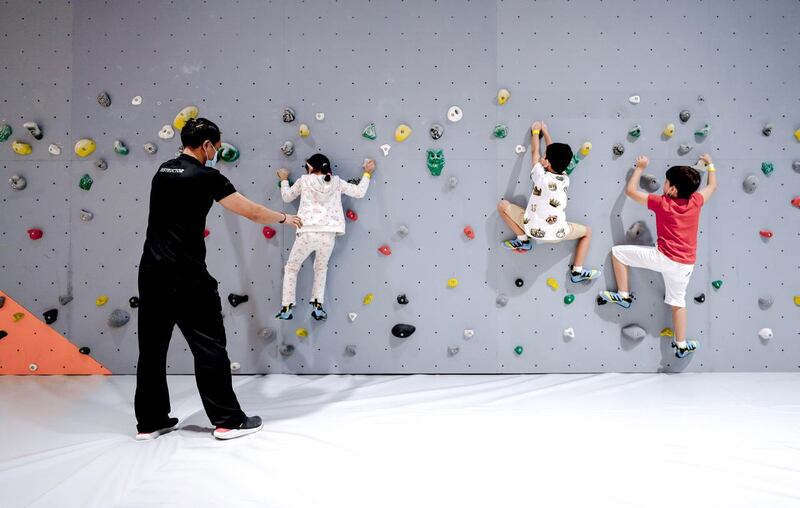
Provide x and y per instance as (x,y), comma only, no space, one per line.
(544,219)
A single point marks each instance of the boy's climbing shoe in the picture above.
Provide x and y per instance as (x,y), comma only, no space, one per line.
(286,312)
(250,425)
(691,345)
(169,426)
(318,313)
(614,297)
(583,275)
(518,245)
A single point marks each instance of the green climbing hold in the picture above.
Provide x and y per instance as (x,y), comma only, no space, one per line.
(635,131)
(705,131)
(573,164)
(568,299)
(369,131)
(5,132)
(717,284)
(500,131)
(85,182)
(435,161)
(288,180)
(228,152)
(518,350)
(120,147)
(767,168)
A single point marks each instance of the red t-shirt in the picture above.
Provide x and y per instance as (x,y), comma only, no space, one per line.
(676,224)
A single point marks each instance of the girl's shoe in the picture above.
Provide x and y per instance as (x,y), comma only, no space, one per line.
(518,245)
(286,312)
(318,313)
(584,275)
(614,297)
(691,345)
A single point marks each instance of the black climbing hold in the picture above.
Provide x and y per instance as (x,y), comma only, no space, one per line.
(235,299)
(402,299)
(133,302)
(600,300)
(700,298)
(50,316)
(3,333)
(84,350)
(519,283)
(402,330)
(2,301)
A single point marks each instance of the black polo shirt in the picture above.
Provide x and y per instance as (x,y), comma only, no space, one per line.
(181,195)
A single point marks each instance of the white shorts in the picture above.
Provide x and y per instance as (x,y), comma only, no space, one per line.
(676,275)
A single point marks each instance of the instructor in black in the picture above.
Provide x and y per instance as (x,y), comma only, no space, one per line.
(176,288)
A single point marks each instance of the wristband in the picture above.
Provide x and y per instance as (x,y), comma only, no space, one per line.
(284,219)
(535,132)
(711,168)
(367,175)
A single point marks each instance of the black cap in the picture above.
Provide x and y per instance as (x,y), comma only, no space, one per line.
(319,162)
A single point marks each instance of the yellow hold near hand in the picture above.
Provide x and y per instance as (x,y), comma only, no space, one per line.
(184,116)
(586,148)
(551,282)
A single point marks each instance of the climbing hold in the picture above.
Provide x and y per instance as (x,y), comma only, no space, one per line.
(684,149)
(701,166)
(454,114)
(228,152)
(320,116)
(206,232)
(150,148)
(618,149)
(84,147)
(402,330)
(796,166)
(469,232)
(84,350)
(469,333)
(765,302)
(667,332)
(669,130)
(301,332)
(767,168)
(286,350)
(65,299)
(402,299)
(685,115)
(451,283)
(101,164)
(717,284)
(500,131)
(35,233)
(5,132)
(351,215)
(435,161)
(403,230)
(502,96)
(350,350)
(552,283)
(765,233)
(436,131)
(85,182)
(585,148)
(118,318)
(33,367)
(633,332)
(50,316)
(17,316)
(518,350)
(635,131)
(700,298)
(634,99)
(287,148)
(797,134)
(750,183)
(86,215)
(569,298)
(235,366)
(268,232)
(352,316)
(649,183)
(703,132)
(385,250)
(368,298)
(797,300)
(21,148)
(501,300)
(120,147)
(402,132)
(453,350)
(639,233)
(18,182)
(452,181)
(569,333)
(765,333)
(267,333)
(133,302)
(104,99)
(288,115)
(519,283)
(385,149)
(34,130)
(184,116)
(54,149)
(137,100)
(796,202)
(519,149)
(166,132)
(767,129)
(235,299)
(101,300)
(369,131)
(2,301)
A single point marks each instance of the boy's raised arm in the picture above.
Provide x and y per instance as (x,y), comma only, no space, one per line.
(536,128)
(631,189)
(711,185)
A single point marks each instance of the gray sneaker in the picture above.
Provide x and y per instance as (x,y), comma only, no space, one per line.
(251,425)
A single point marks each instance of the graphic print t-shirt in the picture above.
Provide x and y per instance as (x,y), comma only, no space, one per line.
(544,217)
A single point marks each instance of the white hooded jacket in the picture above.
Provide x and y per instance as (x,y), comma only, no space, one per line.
(321,202)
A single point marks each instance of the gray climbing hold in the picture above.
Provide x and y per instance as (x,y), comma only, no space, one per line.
(150,148)
(267,333)
(750,184)
(286,350)
(403,230)
(350,350)
(701,99)
(452,182)
(634,332)
(767,130)
(639,234)
(796,166)
(120,147)
(684,149)
(18,182)
(437,131)
(618,149)
(118,318)
(65,299)
(287,148)
(501,300)
(684,115)
(136,100)
(34,129)
(104,99)
(86,215)
(288,115)
(453,350)
(402,330)
(765,302)
(166,132)
(101,164)
(649,183)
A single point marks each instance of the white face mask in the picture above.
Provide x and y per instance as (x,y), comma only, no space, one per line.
(212,162)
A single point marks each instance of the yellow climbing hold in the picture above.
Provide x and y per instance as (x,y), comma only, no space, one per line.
(368,299)
(301,332)
(21,148)
(669,130)
(502,96)
(452,283)
(304,131)
(667,332)
(797,300)
(797,134)
(552,283)
(17,316)
(402,132)
(184,116)
(85,147)
(101,300)
(586,148)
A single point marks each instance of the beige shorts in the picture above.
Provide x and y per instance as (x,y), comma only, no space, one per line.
(517,214)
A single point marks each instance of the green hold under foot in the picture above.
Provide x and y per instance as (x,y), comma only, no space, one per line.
(568,299)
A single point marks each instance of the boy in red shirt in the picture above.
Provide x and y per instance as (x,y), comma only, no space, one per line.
(677,217)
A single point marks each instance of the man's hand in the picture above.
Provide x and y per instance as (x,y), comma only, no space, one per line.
(369,166)
(283,174)
(642,162)
(707,159)
(544,128)
(293,220)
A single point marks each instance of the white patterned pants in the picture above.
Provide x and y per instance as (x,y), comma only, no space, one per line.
(304,245)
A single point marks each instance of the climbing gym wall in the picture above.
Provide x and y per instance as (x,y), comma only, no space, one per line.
(72,242)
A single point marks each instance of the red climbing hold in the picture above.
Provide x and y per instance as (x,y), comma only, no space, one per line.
(765,233)
(469,232)
(796,202)
(206,233)
(385,250)
(353,216)
(35,233)
(268,232)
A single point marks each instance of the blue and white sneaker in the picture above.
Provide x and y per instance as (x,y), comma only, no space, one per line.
(614,297)
(518,245)
(691,345)
(583,275)
(286,312)
(318,313)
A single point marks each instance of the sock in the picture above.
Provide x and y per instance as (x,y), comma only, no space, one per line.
(681,344)
(522,238)
(624,294)
(577,269)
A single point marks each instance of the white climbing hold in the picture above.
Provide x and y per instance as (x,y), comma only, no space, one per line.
(634,99)
(86,215)
(385,149)
(519,149)
(33,367)
(569,332)
(150,148)
(235,366)
(701,166)
(452,182)
(765,333)
(453,350)
(352,316)
(54,149)
(137,101)
(454,114)
(166,132)
(469,333)
(403,230)
(320,116)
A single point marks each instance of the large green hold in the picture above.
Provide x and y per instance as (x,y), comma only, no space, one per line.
(435,161)
(5,132)
(369,131)
(500,131)
(228,152)
(85,182)
(717,284)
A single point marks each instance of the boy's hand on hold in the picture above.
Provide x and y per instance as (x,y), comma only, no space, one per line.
(283,174)
(706,159)
(544,126)
(369,166)
(642,162)
(536,126)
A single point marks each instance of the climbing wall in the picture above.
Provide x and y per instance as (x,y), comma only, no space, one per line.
(573,64)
